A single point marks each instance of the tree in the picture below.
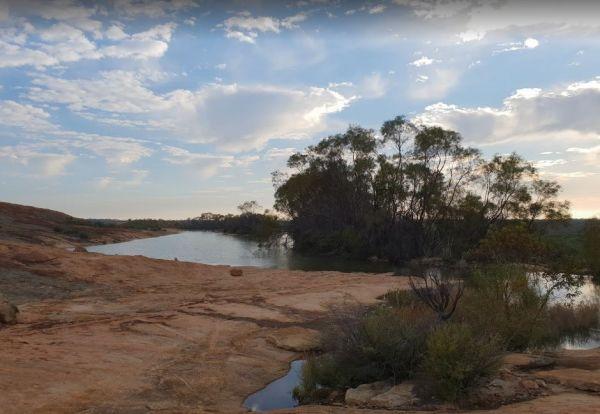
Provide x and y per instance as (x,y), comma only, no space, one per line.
(591,246)
(416,191)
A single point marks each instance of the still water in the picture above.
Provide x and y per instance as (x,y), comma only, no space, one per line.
(279,393)
(224,249)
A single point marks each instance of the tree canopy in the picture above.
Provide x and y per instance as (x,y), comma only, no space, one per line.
(412,191)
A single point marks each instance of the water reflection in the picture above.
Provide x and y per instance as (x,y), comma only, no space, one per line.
(224,249)
(279,393)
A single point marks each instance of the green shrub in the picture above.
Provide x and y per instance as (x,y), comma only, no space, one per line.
(399,298)
(457,359)
(362,346)
(501,301)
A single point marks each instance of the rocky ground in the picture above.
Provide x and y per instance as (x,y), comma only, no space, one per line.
(52,228)
(128,334)
(107,334)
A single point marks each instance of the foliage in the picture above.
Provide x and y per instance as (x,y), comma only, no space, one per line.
(364,346)
(415,192)
(439,293)
(575,322)
(591,246)
(457,359)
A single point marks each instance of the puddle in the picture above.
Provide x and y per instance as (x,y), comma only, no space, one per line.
(277,394)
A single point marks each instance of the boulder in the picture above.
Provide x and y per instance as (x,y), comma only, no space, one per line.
(8,312)
(399,396)
(80,249)
(295,339)
(236,272)
(362,395)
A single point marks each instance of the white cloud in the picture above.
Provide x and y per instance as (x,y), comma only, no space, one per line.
(435,85)
(261,113)
(27,117)
(529,43)
(205,164)
(529,114)
(152,43)
(113,91)
(379,8)
(37,162)
(275,153)
(373,86)
(134,179)
(245,28)
(423,61)
(152,8)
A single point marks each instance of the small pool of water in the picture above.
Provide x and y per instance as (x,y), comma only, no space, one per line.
(278,394)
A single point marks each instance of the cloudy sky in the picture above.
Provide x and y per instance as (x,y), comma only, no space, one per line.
(140,108)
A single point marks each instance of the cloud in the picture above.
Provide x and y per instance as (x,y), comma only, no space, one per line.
(435,85)
(152,43)
(26,117)
(113,91)
(276,153)
(373,86)
(261,112)
(529,43)
(380,8)
(205,164)
(245,28)
(152,8)
(38,163)
(423,61)
(528,114)
(134,178)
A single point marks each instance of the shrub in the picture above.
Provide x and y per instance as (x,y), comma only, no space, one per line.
(363,346)
(575,322)
(457,359)
(501,301)
(399,298)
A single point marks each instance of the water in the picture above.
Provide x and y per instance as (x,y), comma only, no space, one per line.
(277,394)
(224,249)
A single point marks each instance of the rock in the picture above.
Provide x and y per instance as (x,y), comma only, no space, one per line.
(529,384)
(585,359)
(8,312)
(580,379)
(528,361)
(236,272)
(397,397)
(361,395)
(32,257)
(295,339)
(80,249)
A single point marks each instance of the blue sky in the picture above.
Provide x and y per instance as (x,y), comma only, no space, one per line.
(172,108)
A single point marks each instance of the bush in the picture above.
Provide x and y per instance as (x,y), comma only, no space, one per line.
(575,322)
(458,359)
(500,301)
(365,346)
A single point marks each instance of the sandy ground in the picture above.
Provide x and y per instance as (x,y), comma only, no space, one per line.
(119,334)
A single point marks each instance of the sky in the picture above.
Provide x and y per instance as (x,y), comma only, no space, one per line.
(139,108)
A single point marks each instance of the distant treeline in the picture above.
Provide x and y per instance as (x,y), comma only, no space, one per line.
(249,222)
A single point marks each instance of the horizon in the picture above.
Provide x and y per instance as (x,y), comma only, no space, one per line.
(170,109)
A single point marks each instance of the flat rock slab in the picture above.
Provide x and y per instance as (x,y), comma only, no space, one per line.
(383,395)
(527,361)
(579,379)
(295,339)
